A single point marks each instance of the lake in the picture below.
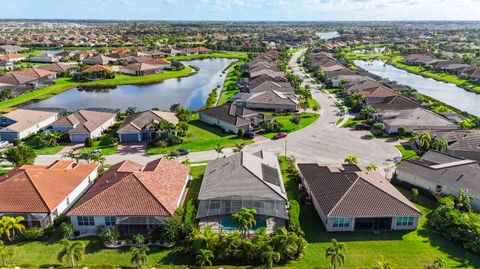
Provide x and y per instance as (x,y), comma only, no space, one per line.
(327,35)
(192,92)
(446,92)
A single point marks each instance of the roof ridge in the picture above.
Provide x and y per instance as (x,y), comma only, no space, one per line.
(343,196)
(148,190)
(37,190)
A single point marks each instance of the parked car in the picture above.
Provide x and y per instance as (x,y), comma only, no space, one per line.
(183,152)
(280,135)
(249,135)
(362,126)
(3,144)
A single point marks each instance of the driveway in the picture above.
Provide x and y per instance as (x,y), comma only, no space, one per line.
(320,142)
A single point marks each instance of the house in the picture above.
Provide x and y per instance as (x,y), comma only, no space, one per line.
(442,172)
(41,193)
(376,95)
(461,143)
(159,62)
(350,198)
(253,83)
(414,120)
(197,50)
(10,49)
(98,60)
(395,103)
(44,58)
(21,122)
(85,123)
(242,180)
(12,57)
(284,87)
(58,68)
(138,126)
(140,69)
(232,118)
(95,72)
(131,197)
(6,65)
(268,100)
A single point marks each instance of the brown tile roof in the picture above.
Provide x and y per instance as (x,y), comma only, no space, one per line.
(84,121)
(26,118)
(11,56)
(128,190)
(97,68)
(16,79)
(56,67)
(143,120)
(32,72)
(159,61)
(349,191)
(35,188)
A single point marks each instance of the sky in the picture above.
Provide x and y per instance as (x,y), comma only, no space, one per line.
(244,10)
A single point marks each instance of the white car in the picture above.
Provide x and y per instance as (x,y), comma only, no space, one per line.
(3,144)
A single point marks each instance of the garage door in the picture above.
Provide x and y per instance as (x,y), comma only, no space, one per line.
(129,137)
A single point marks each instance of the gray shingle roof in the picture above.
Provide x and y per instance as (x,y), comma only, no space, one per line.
(347,192)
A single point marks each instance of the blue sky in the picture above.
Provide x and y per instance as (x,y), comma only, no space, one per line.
(245,10)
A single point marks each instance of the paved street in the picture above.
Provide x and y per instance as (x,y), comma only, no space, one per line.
(320,142)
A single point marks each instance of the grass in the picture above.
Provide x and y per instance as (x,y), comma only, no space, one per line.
(103,143)
(351,122)
(404,249)
(201,137)
(290,127)
(221,54)
(313,103)
(197,175)
(32,142)
(407,152)
(228,86)
(63,84)
(397,61)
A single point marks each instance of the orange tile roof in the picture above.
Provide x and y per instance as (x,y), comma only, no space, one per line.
(37,188)
(128,189)
(11,56)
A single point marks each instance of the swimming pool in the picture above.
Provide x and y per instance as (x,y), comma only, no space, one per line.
(226,223)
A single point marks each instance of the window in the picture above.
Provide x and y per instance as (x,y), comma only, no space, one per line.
(404,221)
(85,221)
(110,220)
(341,222)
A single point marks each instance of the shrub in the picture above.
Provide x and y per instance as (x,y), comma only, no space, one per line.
(88,142)
(16,142)
(240,133)
(110,236)
(32,234)
(378,126)
(190,212)
(295,119)
(402,131)
(294,213)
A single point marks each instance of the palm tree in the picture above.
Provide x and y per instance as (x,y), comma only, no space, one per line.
(219,149)
(463,200)
(439,262)
(12,225)
(364,112)
(98,158)
(269,256)
(72,155)
(140,256)
(203,257)
(5,254)
(239,147)
(440,144)
(335,253)
(67,229)
(245,220)
(351,159)
(384,263)
(71,253)
(422,140)
(372,167)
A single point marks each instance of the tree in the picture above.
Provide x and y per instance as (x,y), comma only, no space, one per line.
(401,131)
(5,254)
(175,107)
(440,144)
(72,154)
(383,263)
(139,256)
(130,110)
(71,253)
(12,225)
(49,139)
(351,159)
(239,147)
(67,229)
(204,257)
(269,256)
(439,262)
(422,140)
(372,167)
(463,201)
(378,126)
(219,149)
(20,155)
(88,142)
(415,194)
(335,253)
(110,236)
(138,239)
(366,111)
(98,158)
(5,94)
(245,220)
(466,123)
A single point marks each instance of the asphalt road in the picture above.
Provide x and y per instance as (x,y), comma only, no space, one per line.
(321,142)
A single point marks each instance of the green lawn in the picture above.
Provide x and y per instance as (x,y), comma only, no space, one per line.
(351,122)
(407,152)
(397,61)
(33,143)
(289,127)
(103,143)
(63,84)
(197,175)
(404,249)
(221,54)
(231,79)
(312,103)
(201,137)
